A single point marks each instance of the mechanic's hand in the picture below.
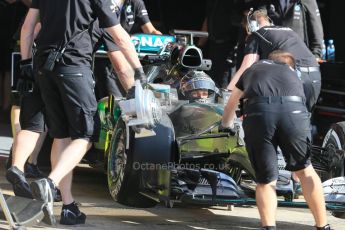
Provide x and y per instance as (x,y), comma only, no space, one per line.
(232,130)
(26,69)
(139,74)
(131,93)
(138,128)
(26,77)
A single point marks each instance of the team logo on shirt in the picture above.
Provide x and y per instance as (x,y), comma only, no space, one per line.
(129,9)
(297,8)
(113,6)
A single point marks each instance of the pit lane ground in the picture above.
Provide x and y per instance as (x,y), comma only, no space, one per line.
(90,189)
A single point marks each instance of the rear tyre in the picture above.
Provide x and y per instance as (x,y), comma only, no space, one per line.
(334,140)
(123,179)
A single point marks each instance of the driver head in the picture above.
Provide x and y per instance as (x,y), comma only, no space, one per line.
(197,86)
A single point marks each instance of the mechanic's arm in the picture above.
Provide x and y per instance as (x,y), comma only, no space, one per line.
(28,32)
(248,60)
(148,28)
(122,68)
(122,39)
(314,27)
(230,108)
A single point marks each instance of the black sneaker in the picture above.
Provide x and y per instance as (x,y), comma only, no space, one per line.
(32,171)
(71,215)
(17,179)
(44,190)
(326,227)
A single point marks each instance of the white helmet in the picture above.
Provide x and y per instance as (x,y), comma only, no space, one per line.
(199,87)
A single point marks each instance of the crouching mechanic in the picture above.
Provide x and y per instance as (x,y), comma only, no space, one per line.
(275,114)
(63,63)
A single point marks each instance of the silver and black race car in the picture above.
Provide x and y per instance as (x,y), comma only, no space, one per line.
(164,145)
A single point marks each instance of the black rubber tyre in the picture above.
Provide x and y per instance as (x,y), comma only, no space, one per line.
(123,179)
(335,140)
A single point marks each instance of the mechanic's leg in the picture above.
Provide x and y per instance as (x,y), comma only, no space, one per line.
(266,200)
(66,154)
(65,184)
(313,194)
(24,144)
(122,68)
(65,187)
(34,155)
(15,125)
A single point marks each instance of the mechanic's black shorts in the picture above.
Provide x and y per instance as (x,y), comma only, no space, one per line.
(267,126)
(312,87)
(31,112)
(16,98)
(70,103)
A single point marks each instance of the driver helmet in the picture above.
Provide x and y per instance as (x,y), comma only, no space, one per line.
(197,86)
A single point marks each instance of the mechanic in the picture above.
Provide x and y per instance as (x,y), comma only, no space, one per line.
(274,106)
(132,14)
(265,38)
(18,10)
(220,42)
(65,79)
(302,16)
(31,137)
(22,93)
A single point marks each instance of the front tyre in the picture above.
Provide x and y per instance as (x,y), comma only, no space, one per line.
(123,179)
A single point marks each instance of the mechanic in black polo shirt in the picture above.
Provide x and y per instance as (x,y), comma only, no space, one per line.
(265,38)
(63,63)
(133,17)
(274,114)
(302,16)
(32,119)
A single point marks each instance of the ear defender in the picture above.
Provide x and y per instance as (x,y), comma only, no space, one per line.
(252,24)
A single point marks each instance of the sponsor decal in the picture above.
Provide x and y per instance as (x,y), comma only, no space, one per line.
(297,8)
(113,6)
(150,43)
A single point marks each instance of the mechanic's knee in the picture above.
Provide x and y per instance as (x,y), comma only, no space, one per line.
(272,183)
(305,172)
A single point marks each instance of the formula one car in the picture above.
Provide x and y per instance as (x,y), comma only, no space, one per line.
(164,144)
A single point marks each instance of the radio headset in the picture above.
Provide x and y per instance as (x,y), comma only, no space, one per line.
(253,27)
